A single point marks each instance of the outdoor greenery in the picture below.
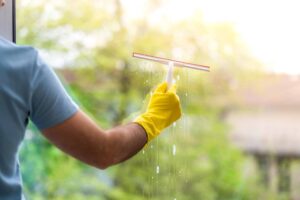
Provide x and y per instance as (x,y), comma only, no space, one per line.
(90,43)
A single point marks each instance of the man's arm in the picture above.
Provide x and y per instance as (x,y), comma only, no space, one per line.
(81,138)
(52,111)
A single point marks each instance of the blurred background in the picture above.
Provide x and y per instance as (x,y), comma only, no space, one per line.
(239,135)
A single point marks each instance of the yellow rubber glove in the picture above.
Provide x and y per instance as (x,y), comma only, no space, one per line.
(163,109)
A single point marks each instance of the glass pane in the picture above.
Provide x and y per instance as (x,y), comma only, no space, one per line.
(238,137)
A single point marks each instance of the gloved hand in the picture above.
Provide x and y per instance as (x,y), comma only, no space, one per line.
(163,109)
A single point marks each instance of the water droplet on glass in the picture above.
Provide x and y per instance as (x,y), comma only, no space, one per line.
(157,169)
(151,146)
(174,150)
(186,94)
(174,124)
(143,151)
(178,77)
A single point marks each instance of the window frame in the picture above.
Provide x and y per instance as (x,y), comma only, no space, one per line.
(9,10)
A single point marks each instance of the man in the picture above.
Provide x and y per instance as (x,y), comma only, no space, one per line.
(29,89)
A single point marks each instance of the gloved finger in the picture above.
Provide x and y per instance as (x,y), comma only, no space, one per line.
(162,88)
(173,89)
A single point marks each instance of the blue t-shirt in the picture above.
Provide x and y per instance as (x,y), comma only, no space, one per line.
(29,89)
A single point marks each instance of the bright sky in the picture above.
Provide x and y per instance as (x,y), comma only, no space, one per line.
(271,29)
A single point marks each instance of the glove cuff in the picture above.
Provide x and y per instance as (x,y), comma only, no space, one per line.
(147,123)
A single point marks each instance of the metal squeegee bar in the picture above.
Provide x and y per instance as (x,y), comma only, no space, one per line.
(166,61)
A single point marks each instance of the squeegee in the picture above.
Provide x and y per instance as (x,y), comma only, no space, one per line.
(171,63)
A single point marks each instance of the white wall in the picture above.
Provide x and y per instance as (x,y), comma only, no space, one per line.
(266,131)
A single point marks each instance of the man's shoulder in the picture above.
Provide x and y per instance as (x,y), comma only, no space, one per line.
(8,48)
(17,63)
(3,41)
(14,57)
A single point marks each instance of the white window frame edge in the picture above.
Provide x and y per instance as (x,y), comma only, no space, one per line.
(11,34)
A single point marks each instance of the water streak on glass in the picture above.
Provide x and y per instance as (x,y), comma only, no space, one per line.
(174,149)
(157,169)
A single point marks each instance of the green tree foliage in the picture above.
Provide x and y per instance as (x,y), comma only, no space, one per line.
(94,42)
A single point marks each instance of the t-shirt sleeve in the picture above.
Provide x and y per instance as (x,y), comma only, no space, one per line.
(50,103)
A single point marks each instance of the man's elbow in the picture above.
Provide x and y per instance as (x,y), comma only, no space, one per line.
(103,163)
(106,160)
(103,166)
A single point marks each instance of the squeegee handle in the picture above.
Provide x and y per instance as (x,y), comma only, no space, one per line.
(169,78)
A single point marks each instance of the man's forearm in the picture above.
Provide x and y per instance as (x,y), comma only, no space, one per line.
(124,141)
(83,139)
